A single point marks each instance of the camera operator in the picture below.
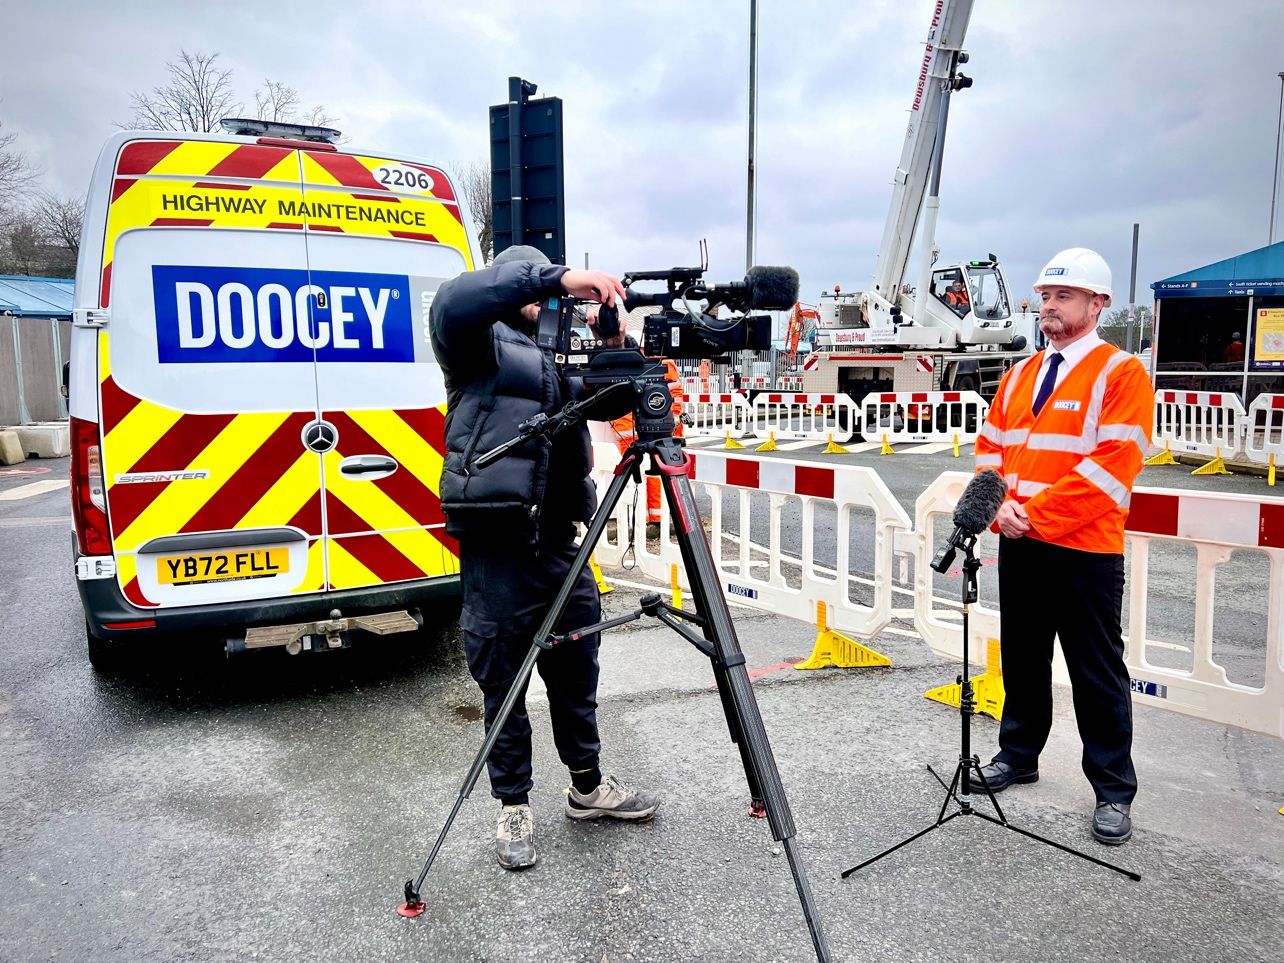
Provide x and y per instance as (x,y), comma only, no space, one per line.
(516,522)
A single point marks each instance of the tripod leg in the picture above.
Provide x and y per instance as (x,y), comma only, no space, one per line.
(1135,877)
(543,640)
(672,464)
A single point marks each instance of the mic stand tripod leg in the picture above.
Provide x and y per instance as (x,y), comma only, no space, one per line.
(967,761)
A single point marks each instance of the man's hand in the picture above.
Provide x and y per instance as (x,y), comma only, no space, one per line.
(593,286)
(1012,520)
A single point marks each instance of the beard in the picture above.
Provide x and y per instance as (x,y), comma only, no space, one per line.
(1056,325)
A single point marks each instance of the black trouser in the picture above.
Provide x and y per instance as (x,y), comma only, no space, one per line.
(507,593)
(1045,591)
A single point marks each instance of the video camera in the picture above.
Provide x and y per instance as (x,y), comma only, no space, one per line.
(689,332)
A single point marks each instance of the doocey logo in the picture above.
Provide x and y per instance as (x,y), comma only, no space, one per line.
(218,315)
(1053,272)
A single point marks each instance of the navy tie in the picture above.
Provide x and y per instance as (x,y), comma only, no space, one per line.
(1049,382)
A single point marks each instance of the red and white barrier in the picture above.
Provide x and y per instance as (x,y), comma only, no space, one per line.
(909,417)
(1216,525)
(1204,423)
(797,415)
(831,500)
(717,414)
(789,383)
(1264,429)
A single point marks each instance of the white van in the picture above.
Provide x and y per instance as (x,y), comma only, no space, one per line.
(256,412)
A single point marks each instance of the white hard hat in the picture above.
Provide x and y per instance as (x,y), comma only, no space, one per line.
(1077,267)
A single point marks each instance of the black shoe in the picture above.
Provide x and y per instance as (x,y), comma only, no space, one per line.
(999,775)
(1111,823)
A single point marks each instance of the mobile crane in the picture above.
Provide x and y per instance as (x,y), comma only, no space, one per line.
(955,329)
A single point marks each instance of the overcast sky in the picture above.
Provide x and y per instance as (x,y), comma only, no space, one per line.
(1085,116)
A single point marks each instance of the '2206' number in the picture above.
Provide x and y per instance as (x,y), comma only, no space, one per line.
(394,175)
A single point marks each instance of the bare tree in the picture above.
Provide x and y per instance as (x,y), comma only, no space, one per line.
(473,182)
(279,102)
(59,219)
(198,96)
(15,169)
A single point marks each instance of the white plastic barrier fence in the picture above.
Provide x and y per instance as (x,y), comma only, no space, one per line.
(789,383)
(819,501)
(756,383)
(702,386)
(1216,525)
(717,414)
(1264,429)
(815,417)
(1199,422)
(923,416)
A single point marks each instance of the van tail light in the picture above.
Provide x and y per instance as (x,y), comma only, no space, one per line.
(88,489)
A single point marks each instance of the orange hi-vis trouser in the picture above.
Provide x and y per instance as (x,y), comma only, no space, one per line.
(625,433)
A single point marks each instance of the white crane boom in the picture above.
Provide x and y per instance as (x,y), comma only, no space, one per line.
(944,38)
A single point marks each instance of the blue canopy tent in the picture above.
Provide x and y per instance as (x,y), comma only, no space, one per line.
(35,324)
(1221,327)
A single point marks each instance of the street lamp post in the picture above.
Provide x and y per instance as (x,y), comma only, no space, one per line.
(1275,171)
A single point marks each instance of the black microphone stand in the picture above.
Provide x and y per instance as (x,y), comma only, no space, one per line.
(716,640)
(968,763)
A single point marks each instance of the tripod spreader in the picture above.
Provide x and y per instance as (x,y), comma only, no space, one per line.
(653,605)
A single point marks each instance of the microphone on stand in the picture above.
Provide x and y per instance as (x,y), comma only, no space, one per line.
(975,512)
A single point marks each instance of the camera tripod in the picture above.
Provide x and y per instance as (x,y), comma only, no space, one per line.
(717,640)
(969,766)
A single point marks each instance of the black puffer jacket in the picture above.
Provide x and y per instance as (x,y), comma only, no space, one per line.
(497,378)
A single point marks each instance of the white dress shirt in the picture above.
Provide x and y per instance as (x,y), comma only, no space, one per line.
(1071,355)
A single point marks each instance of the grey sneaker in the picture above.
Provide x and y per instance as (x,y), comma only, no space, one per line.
(515,838)
(612,798)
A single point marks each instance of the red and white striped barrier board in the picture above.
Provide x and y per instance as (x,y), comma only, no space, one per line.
(789,383)
(923,416)
(1264,429)
(802,415)
(1199,422)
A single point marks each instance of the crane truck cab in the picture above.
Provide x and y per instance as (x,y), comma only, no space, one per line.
(256,411)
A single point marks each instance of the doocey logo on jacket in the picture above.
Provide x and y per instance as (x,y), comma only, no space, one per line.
(216,314)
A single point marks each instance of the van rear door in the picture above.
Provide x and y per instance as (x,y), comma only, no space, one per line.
(207,375)
(381,237)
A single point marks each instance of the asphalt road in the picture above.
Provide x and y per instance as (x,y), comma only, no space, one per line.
(270,808)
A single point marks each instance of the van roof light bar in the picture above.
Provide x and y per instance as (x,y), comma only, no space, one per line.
(248,127)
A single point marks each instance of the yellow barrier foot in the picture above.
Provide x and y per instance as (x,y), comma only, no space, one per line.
(769,444)
(887,449)
(834,649)
(732,444)
(1270,480)
(603,587)
(987,688)
(1214,467)
(676,586)
(834,448)
(1165,457)
(956,446)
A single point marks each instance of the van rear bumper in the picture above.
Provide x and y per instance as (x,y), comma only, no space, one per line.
(105,604)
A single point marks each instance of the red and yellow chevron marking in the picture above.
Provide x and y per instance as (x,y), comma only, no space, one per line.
(261,476)
(179,183)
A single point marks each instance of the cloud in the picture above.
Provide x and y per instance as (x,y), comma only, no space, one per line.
(1080,123)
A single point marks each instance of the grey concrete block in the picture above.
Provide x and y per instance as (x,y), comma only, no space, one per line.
(50,439)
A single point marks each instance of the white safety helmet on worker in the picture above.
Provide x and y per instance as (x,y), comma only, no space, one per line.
(1077,267)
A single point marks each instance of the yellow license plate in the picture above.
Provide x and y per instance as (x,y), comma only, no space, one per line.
(222,566)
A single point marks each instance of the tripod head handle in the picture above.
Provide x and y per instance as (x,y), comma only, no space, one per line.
(544,426)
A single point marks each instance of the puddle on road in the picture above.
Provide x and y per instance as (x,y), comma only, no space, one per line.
(467,713)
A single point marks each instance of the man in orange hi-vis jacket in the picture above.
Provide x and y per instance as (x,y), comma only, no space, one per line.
(1068,431)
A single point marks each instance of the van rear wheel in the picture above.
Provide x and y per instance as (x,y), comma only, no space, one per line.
(105,655)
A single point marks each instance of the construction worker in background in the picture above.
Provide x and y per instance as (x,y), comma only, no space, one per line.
(1233,353)
(1068,430)
(956,297)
